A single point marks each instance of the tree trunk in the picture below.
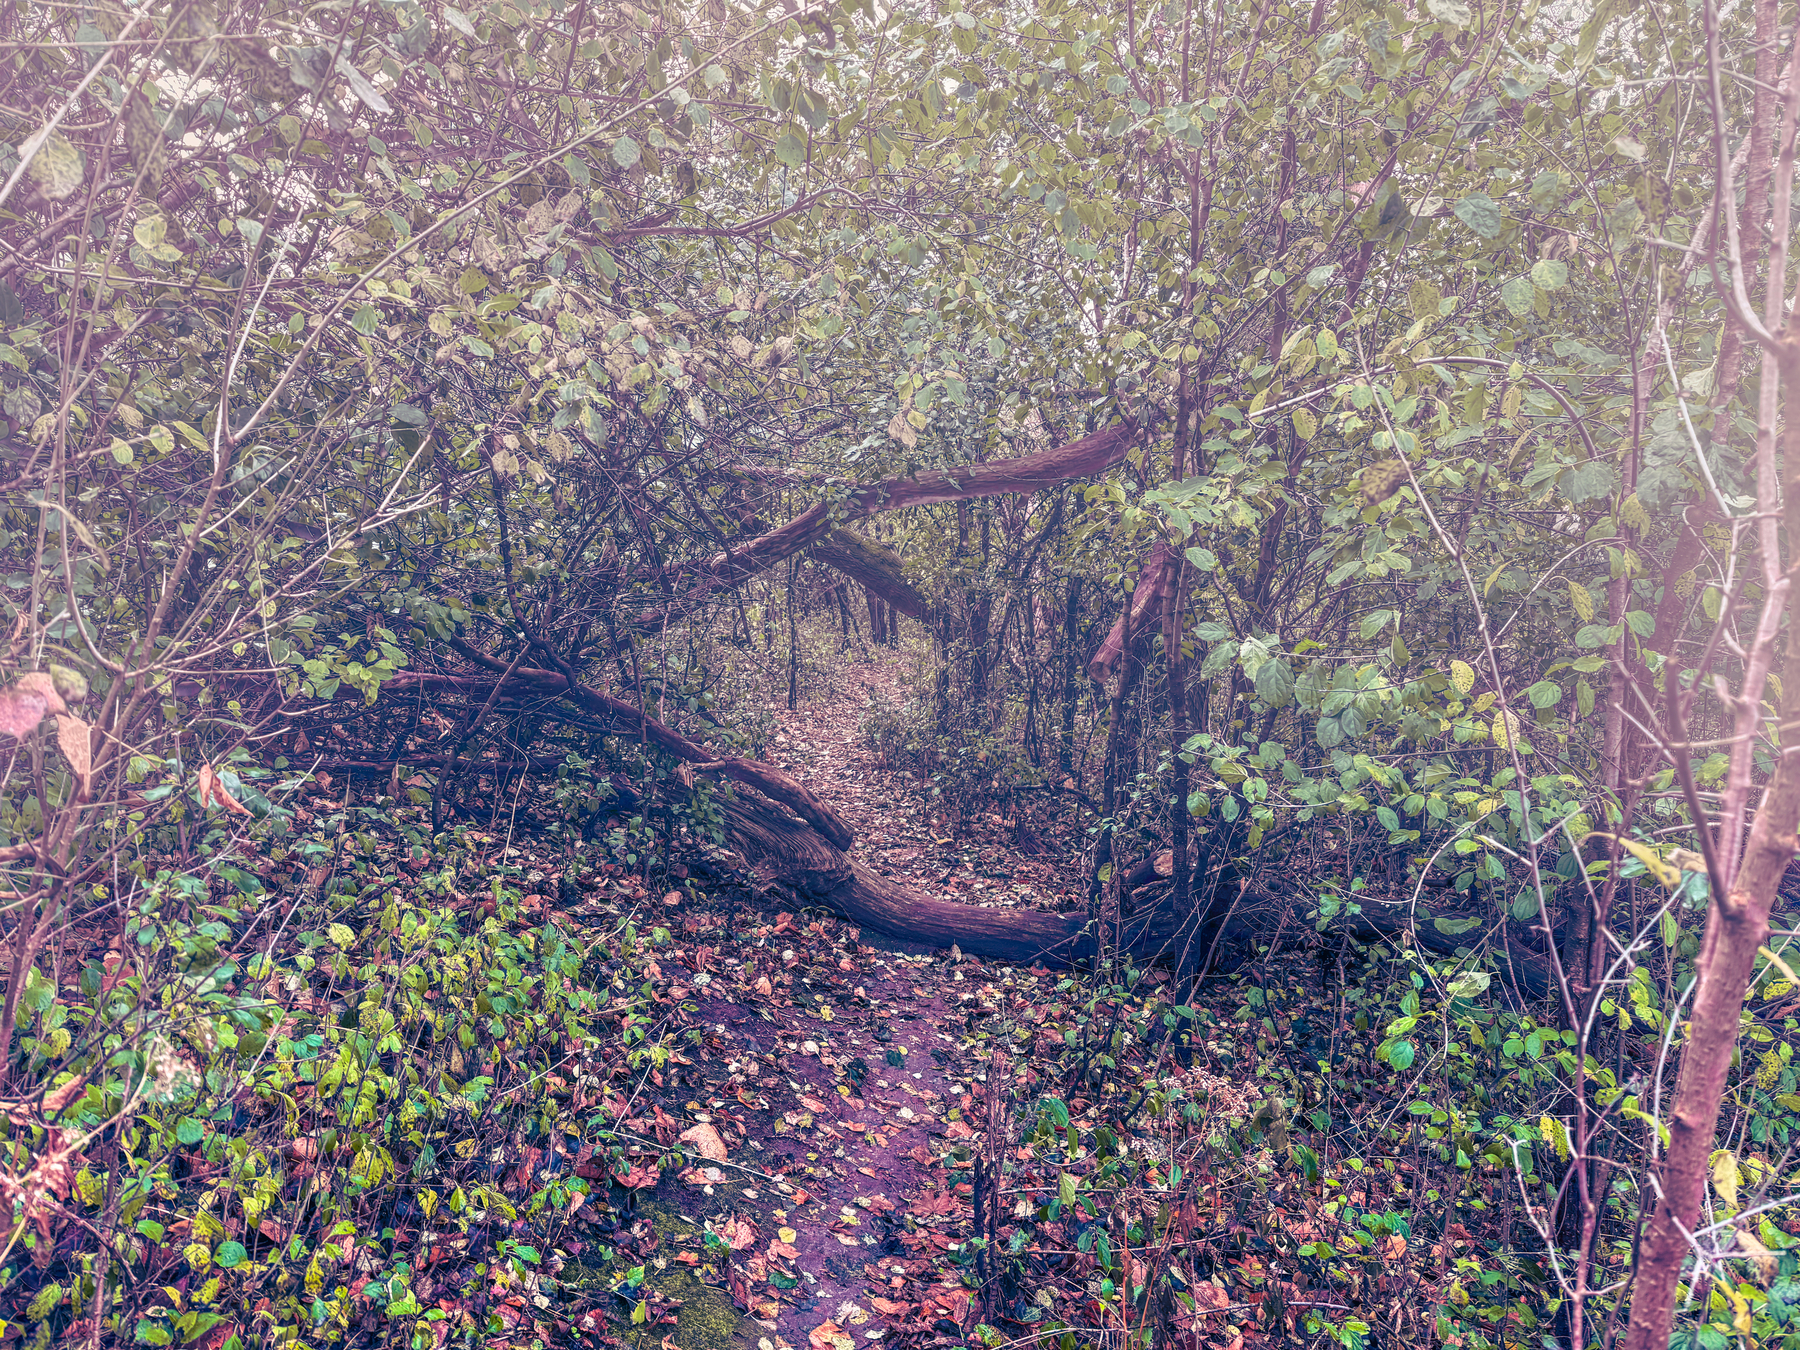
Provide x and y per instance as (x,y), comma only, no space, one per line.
(1071,663)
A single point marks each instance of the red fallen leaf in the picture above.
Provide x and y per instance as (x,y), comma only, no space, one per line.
(888,1308)
(639,1176)
(811,1103)
(705,1139)
(802,1196)
(740,1233)
(879,1204)
(938,1202)
(855,1125)
(778,1248)
(921,1155)
(827,1336)
(959,1129)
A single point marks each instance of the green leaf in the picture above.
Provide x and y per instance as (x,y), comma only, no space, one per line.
(1401,1054)
(189,1131)
(1274,683)
(1452,12)
(365,319)
(1480,213)
(230,1254)
(790,150)
(1544,694)
(625,151)
(1517,296)
(151,231)
(1470,984)
(1374,621)
(1455,927)
(1550,274)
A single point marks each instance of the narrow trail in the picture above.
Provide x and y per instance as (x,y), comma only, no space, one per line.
(877,1073)
(977,861)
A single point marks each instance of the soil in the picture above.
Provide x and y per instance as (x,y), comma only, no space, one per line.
(854,1084)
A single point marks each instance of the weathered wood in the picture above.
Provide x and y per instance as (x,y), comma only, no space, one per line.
(877,568)
(783,853)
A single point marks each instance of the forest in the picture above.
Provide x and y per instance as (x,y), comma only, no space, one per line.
(792,675)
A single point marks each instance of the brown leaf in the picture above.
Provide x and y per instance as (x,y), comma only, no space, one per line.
(212,792)
(23,706)
(74,740)
(706,1141)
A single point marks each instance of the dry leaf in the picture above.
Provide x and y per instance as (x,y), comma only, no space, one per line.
(706,1142)
(77,746)
(213,793)
(738,1232)
(23,706)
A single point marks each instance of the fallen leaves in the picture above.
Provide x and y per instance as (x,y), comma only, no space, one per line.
(706,1141)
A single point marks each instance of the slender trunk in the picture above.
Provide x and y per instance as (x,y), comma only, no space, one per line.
(1178,722)
(1071,658)
(793,671)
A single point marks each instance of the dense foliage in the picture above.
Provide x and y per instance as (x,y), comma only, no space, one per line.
(500,408)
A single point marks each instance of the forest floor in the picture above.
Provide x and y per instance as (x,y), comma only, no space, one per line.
(518,1091)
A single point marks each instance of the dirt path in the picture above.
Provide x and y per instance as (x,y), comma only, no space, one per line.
(861,1059)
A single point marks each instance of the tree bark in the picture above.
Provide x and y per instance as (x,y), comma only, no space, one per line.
(1084,458)
(876,568)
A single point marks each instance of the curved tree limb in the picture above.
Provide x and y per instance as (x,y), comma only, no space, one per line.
(876,568)
(626,719)
(1084,458)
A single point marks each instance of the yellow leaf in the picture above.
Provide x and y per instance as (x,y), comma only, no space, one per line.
(1653,863)
(1506,728)
(1462,675)
(1760,1256)
(1553,1131)
(1582,601)
(57,166)
(1725,1175)
(1305,424)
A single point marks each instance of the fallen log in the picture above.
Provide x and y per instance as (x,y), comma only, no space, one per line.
(783,853)
(628,719)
